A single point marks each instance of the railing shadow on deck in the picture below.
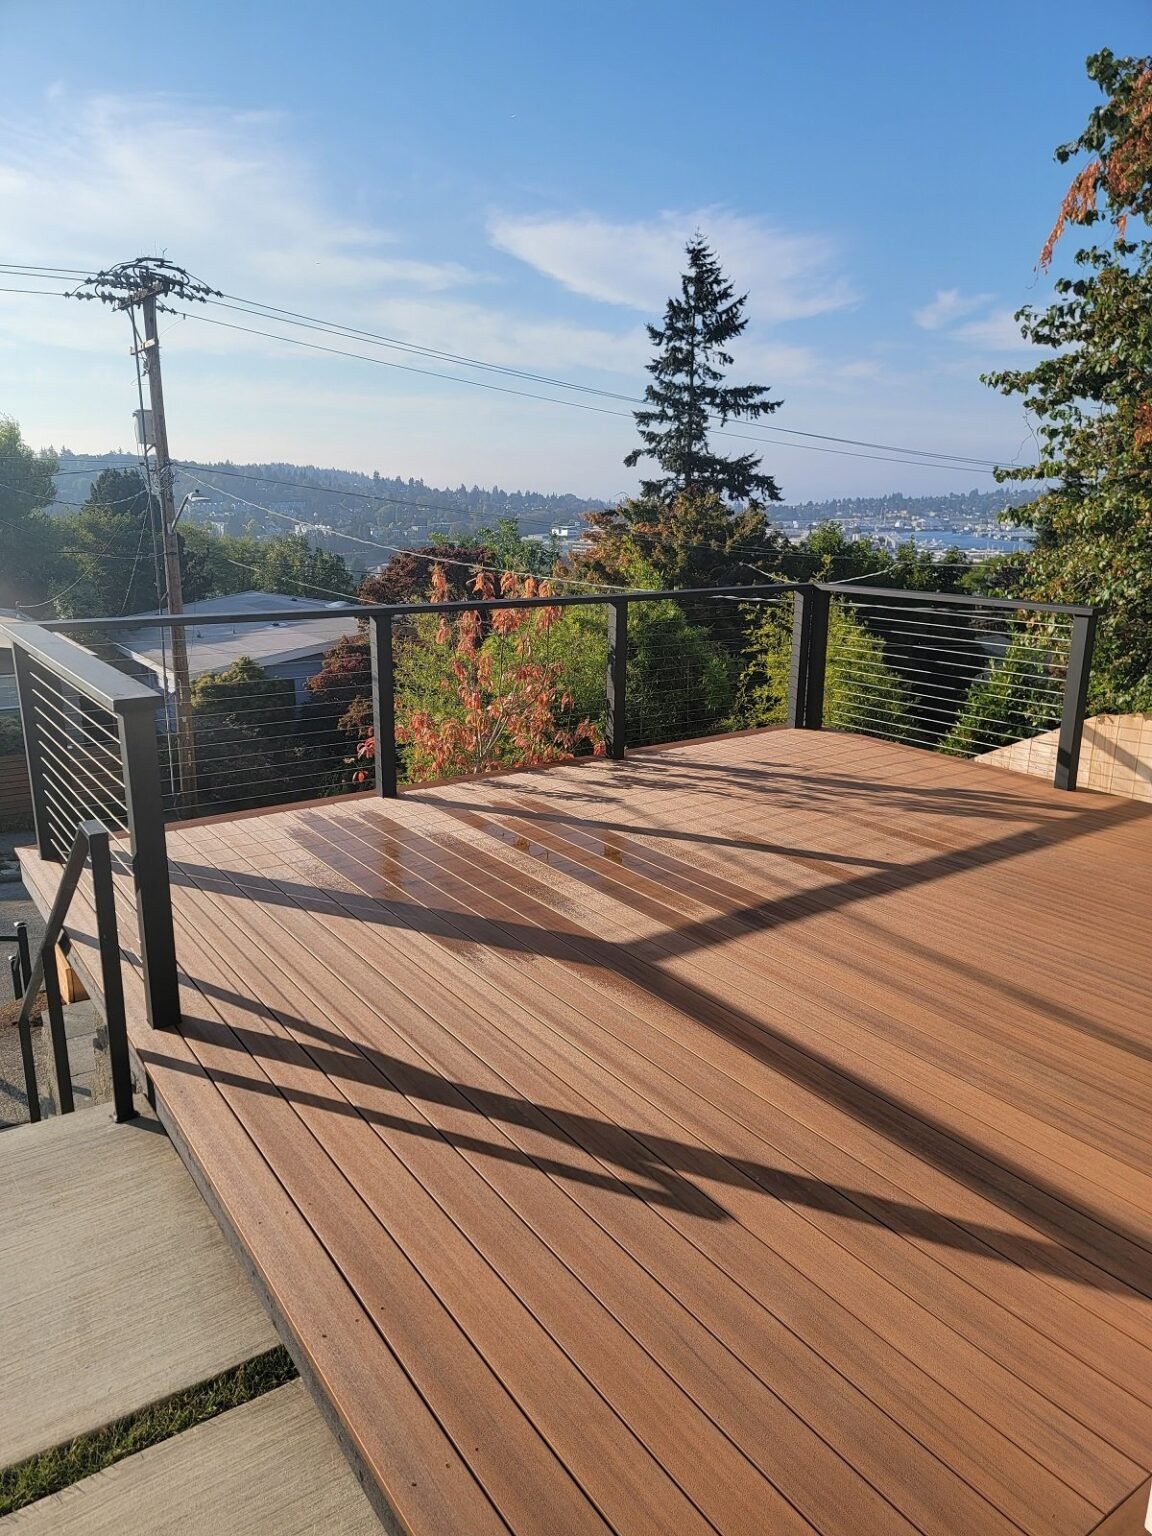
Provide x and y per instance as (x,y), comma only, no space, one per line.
(659,1170)
(1074,1226)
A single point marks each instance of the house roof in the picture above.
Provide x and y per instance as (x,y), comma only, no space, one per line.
(268,642)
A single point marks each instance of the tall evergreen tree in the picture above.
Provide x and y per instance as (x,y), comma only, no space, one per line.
(689,391)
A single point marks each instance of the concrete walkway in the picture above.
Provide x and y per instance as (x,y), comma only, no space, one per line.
(268,1468)
(116,1285)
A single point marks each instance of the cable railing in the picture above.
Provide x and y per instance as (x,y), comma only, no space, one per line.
(94,762)
(421,692)
(425,691)
(957,674)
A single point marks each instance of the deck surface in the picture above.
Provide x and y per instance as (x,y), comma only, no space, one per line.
(748,1137)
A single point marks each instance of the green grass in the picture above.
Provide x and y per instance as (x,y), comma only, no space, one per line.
(52,1470)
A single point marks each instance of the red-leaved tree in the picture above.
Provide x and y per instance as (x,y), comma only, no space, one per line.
(482,691)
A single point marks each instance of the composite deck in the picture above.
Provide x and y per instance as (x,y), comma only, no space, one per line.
(751,1136)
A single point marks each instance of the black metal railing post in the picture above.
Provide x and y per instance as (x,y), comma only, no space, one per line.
(809,658)
(143,798)
(58,1034)
(23,954)
(111,975)
(384,704)
(1075,700)
(616,719)
(34,753)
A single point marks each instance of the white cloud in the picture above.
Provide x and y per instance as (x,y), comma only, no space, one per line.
(90,181)
(949,305)
(105,178)
(999,331)
(637,264)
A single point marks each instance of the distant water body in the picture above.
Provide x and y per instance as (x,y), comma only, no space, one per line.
(1001,543)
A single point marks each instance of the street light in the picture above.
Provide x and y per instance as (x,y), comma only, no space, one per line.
(193,498)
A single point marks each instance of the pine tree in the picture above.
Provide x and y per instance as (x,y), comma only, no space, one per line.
(689,391)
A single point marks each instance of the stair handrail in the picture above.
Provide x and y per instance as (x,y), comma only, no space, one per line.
(91,845)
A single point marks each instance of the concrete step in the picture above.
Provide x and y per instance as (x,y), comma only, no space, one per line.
(116,1285)
(268,1468)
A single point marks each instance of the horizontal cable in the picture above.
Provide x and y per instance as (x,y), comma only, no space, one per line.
(968,719)
(859,667)
(975,628)
(987,668)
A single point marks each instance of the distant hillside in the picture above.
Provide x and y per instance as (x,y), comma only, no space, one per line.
(951,509)
(307,491)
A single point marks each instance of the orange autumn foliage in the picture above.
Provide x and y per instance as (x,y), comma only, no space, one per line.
(503,688)
(1121,171)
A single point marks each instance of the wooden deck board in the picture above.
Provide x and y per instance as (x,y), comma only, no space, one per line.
(750,1135)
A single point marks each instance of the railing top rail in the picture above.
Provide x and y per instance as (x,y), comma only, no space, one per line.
(1014,604)
(73,664)
(380,610)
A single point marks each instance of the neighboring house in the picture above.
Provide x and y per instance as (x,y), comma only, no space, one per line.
(285,649)
(9,704)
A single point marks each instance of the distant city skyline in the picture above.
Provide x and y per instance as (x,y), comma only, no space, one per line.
(515,185)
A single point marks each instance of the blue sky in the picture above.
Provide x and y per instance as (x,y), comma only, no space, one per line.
(514,182)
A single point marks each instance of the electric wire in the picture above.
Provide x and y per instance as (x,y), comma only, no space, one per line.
(258,309)
(578,405)
(397,549)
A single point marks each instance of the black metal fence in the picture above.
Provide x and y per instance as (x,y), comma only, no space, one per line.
(958,674)
(425,690)
(94,759)
(435,690)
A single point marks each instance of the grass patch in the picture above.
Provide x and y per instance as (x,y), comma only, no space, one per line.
(52,1470)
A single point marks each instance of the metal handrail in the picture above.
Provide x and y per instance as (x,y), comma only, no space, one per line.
(902,594)
(402,610)
(92,845)
(37,653)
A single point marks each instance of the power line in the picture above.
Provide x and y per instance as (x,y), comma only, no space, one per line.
(38,269)
(455,512)
(258,309)
(722,549)
(120,501)
(336,328)
(395,549)
(578,405)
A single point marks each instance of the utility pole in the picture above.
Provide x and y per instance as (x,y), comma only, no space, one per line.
(138,285)
(170,546)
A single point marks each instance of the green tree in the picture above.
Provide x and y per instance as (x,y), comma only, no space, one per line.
(828,552)
(108,547)
(681,673)
(1016,697)
(511,551)
(215,565)
(862,692)
(693,540)
(244,722)
(689,391)
(1090,400)
(30,564)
